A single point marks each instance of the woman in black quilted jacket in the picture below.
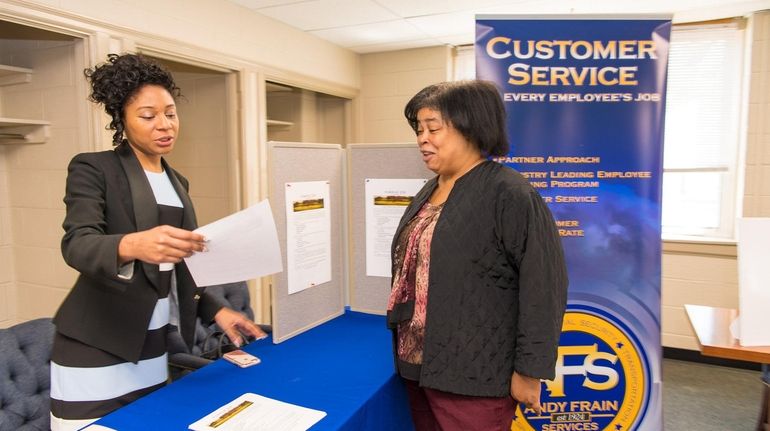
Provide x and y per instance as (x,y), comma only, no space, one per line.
(479,282)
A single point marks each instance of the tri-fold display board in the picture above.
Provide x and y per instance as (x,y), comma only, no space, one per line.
(369,293)
(318,198)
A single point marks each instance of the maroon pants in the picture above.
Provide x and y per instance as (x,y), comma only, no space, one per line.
(434,410)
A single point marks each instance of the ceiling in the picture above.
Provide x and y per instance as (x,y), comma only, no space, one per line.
(366,26)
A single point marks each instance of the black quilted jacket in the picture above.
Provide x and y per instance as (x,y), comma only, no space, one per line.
(497,284)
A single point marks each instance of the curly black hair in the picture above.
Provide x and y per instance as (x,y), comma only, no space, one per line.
(115,82)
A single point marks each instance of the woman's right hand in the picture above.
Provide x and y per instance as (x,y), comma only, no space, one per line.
(162,244)
(525,389)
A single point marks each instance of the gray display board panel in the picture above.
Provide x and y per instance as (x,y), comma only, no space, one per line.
(299,162)
(389,161)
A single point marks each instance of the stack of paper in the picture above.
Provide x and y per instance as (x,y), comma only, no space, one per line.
(252,412)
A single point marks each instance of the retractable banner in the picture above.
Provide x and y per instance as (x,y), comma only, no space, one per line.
(585,102)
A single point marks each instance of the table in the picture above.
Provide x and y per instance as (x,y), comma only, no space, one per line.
(344,367)
(712,328)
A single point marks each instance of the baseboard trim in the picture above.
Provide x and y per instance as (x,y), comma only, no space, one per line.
(695,356)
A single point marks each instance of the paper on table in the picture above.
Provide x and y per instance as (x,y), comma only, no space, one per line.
(240,247)
(257,413)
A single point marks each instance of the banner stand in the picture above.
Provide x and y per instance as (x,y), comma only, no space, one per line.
(585,99)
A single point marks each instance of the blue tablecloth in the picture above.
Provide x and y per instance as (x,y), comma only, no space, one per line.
(343,367)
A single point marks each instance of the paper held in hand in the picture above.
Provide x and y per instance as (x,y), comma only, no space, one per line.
(257,413)
(241,246)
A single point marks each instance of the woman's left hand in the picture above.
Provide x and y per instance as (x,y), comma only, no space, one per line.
(235,323)
(525,389)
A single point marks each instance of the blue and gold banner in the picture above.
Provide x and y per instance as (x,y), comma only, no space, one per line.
(585,100)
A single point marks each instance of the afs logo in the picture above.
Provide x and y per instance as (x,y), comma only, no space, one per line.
(600,383)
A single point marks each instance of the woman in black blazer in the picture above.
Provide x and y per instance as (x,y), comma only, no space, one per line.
(127,229)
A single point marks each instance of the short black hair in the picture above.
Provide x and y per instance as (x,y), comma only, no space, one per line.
(115,82)
(474,108)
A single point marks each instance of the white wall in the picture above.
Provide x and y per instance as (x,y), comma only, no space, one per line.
(203,153)
(34,277)
(221,27)
(388,81)
(756,201)
(7,273)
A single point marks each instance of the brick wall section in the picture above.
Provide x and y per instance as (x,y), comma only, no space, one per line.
(757,191)
(388,81)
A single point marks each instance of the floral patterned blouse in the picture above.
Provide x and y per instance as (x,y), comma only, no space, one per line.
(415,239)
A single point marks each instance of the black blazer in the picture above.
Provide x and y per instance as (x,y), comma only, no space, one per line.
(108,196)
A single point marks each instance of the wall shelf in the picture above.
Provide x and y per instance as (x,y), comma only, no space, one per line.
(14,131)
(12,75)
(272,87)
(278,123)
(281,91)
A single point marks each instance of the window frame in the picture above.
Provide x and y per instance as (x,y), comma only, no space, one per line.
(731,197)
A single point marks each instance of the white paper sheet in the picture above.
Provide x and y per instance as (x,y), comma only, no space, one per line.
(308,235)
(241,246)
(254,412)
(386,201)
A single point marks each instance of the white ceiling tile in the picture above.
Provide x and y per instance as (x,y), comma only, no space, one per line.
(326,14)
(257,4)
(444,24)
(532,7)
(371,25)
(411,8)
(457,39)
(395,46)
(369,34)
